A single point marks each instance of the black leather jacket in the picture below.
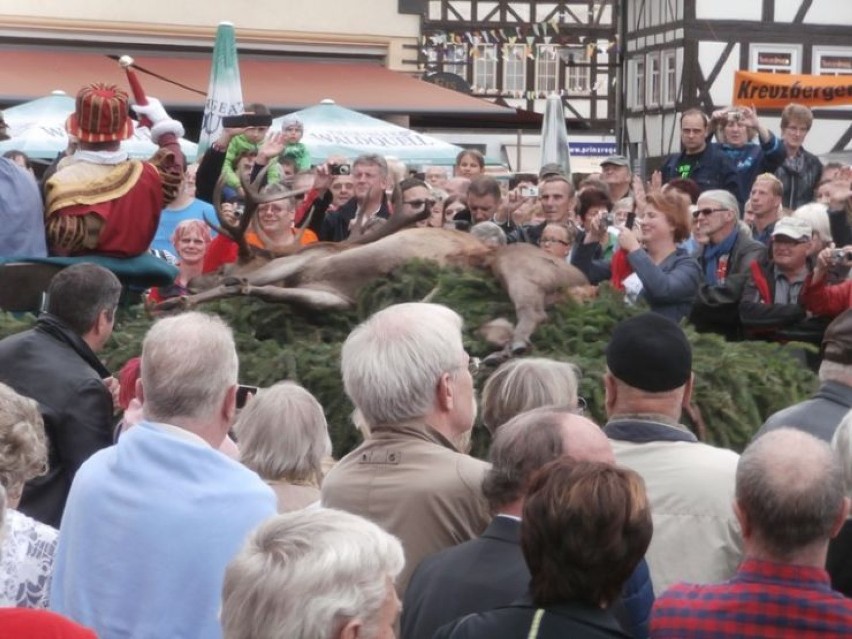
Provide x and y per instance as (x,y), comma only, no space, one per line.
(54,366)
(799,186)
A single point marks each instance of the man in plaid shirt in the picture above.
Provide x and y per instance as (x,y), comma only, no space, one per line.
(790,501)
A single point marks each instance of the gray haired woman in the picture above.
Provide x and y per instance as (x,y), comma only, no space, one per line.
(283,437)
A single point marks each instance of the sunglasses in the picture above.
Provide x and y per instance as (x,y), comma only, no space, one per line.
(705,212)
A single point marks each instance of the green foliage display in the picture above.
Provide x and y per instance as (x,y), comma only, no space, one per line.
(737,384)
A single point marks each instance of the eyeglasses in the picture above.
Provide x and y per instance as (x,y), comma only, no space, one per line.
(705,212)
(419,204)
(551,240)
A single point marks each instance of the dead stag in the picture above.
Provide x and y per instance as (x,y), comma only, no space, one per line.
(328,276)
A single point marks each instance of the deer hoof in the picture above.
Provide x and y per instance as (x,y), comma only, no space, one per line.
(496,358)
(520,348)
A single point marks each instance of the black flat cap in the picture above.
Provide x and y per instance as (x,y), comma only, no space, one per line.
(649,352)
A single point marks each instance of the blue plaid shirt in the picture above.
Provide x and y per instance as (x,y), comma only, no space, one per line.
(763,600)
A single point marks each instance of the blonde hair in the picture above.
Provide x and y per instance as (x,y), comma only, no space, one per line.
(520,385)
(283,434)
(23,444)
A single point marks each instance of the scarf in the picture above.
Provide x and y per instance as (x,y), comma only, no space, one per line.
(620,268)
(716,266)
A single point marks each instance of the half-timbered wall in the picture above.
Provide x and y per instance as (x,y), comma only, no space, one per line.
(708,40)
(519,52)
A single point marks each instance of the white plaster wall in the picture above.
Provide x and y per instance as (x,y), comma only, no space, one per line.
(729,9)
(723,88)
(822,136)
(836,12)
(364,17)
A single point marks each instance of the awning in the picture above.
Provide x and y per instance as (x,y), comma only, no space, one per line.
(283,85)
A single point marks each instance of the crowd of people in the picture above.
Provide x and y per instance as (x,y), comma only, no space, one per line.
(743,232)
(196,517)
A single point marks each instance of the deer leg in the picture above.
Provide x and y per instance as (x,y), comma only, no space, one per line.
(280,269)
(189,301)
(528,299)
(309,298)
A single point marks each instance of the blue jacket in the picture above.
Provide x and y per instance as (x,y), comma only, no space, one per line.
(670,287)
(150,525)
(711,169)
(753,159)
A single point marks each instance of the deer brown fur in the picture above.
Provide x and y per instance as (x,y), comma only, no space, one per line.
(329,276)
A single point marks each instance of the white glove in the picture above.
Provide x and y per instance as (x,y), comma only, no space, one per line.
(166,126)
(154,111)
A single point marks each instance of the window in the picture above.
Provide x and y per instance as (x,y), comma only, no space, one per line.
(514,67)
(832,61)
(654,79)
(455,59)
(638,83)
(578,69)
(484,66)
(546,68)
(772,58)
(669,78)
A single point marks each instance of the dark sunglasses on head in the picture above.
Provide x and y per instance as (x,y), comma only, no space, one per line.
(705,212)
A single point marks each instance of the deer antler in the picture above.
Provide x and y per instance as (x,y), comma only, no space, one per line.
(395,222)
(253,199)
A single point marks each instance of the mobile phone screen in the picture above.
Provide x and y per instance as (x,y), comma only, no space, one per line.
(243,393)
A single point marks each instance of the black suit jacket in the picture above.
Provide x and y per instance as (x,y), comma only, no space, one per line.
(490,572)
(478,575)
(558,621)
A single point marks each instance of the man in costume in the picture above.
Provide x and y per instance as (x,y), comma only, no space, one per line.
(99,201)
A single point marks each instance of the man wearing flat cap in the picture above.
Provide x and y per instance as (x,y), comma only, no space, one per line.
(690,485)
(99,201)
(770,307)
(821,414)
(616,174)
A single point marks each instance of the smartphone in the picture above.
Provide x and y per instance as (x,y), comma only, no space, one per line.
(246,119)
(243,393)
(631,220)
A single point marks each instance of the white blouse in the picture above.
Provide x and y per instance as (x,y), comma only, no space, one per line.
(26,561)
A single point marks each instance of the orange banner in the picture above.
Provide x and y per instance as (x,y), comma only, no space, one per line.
(777,90)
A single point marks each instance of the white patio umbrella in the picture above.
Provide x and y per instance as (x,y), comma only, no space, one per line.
(331,129)
(38,129)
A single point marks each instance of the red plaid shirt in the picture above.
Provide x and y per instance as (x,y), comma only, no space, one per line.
(763,600)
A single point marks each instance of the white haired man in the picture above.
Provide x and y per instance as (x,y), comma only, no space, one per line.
(406,370)
(152,522)
(725,261)
(315,574)
(790,501)
(490,572)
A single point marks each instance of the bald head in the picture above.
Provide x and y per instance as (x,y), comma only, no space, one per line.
(532,439)
(790,492)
